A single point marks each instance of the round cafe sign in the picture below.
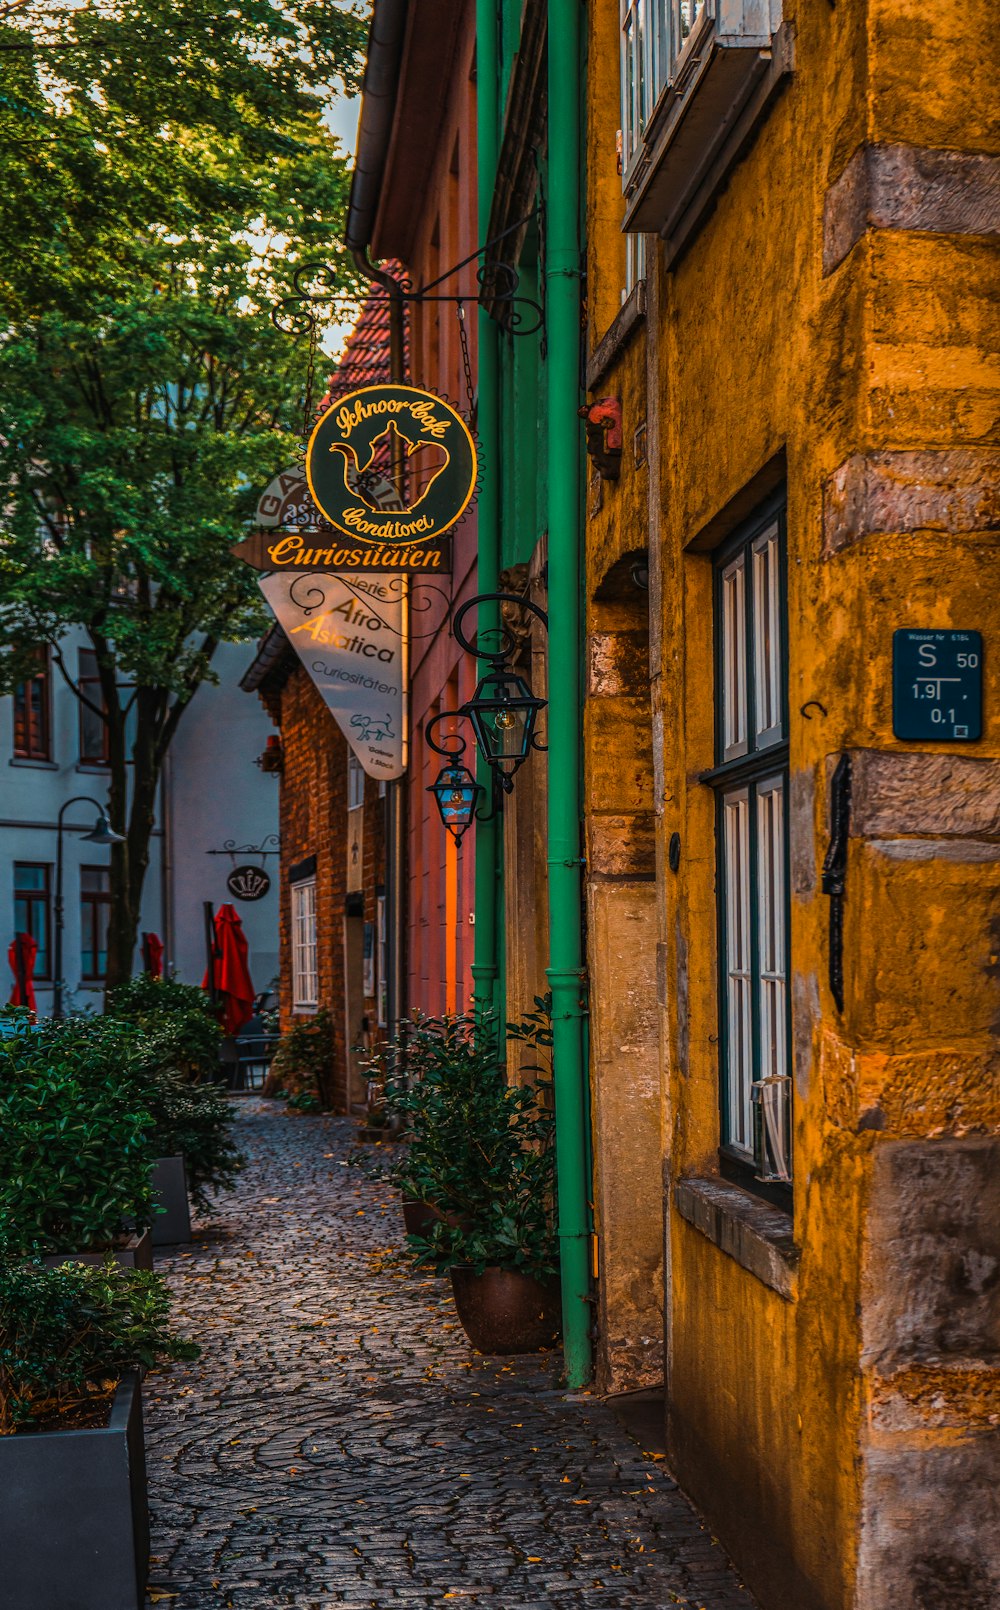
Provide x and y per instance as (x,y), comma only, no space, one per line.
(354,440)
(248,882)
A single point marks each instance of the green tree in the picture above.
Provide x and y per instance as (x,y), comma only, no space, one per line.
(142,408)
(117,118)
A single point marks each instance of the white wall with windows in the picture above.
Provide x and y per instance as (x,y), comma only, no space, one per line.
(50,751)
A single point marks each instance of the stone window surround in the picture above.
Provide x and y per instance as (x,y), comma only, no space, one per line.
(755,1234)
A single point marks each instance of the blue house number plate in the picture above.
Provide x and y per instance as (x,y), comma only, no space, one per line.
(937,685)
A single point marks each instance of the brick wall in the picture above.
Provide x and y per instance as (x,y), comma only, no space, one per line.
(313,822)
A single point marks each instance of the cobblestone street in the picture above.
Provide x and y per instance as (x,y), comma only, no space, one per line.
(339,1444)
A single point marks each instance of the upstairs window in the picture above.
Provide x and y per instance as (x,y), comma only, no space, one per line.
(33,712)
(750,780)
(694,74)
(93,727)
(355,783)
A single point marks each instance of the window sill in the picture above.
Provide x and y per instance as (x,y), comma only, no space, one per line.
(709,117)
(34,765)
(304,1011)
(616,338)
(91,766)
(754,1234)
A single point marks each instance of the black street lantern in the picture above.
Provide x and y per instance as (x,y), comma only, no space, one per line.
(503,711)
(457,794)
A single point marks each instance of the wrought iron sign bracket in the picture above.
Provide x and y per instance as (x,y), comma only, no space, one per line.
(232,849)
(497,287)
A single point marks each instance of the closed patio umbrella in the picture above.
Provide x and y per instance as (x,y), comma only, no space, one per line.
(152,955)
(229,972)
(21,955)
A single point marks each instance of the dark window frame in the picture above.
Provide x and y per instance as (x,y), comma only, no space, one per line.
(26,749)
(89,687)
(36,898)
(92,901)
(747,771)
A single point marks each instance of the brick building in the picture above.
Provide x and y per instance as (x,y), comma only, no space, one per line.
(333,935)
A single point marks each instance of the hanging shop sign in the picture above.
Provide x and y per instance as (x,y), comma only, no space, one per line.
(401,425)
(350,634)
(291,534)
(248,883)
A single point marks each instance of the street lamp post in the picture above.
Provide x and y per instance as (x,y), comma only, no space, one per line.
(101,833)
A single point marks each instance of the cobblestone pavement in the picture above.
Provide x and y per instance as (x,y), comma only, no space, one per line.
(338,1443)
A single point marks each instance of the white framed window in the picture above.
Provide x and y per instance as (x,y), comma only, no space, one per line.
(675,55)
(751,783)
(305,974)
(355,783)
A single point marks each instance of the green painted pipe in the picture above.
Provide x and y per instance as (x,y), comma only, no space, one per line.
(565,971)
(488,844)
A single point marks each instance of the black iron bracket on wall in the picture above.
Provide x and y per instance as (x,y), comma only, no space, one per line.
(497,286)
(835,871)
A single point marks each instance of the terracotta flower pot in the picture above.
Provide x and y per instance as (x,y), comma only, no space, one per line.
(505,1311)
(420,1217)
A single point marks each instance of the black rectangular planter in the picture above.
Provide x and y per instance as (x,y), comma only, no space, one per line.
(173,1225)
(74,1519)
(137,1253)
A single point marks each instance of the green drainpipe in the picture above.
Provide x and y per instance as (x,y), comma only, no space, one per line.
(488,843)
(565,971)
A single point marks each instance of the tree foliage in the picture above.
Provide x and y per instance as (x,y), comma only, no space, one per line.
(164,175)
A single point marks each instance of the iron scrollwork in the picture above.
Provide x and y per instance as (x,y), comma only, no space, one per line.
(497,287)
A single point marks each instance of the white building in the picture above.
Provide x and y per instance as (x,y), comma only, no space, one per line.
(51,749)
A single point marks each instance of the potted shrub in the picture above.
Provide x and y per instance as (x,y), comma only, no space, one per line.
(191,1132)
(74,1526)
(302,1066)
(75,1143)
(178,1016)
(481,1162)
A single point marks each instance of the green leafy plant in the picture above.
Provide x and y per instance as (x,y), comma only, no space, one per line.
(303,1063)
(178,1017)
(75,1142)
(165,170)
(68,1334)
(480,1149)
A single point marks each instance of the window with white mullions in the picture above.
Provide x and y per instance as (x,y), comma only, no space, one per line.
(750,779)
(305,979)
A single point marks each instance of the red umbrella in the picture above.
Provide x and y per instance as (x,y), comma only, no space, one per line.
(231,974)
(152,955)
(21,955)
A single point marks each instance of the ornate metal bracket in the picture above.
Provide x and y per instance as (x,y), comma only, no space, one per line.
(455,753)
(232,849)
(509,640)
(834,881)
(497,285)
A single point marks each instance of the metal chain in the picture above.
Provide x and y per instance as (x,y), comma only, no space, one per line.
(466,365)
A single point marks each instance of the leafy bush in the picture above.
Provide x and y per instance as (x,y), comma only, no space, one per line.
(67,1335)
(75,1141)
(480,1150)
(303,1062)
(178,1017)
(86,1106)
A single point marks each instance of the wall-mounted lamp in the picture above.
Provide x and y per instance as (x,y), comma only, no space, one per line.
(503,710)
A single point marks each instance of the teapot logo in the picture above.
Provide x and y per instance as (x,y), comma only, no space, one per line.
(423,438)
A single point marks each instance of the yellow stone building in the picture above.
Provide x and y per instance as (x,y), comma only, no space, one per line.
(793,871)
